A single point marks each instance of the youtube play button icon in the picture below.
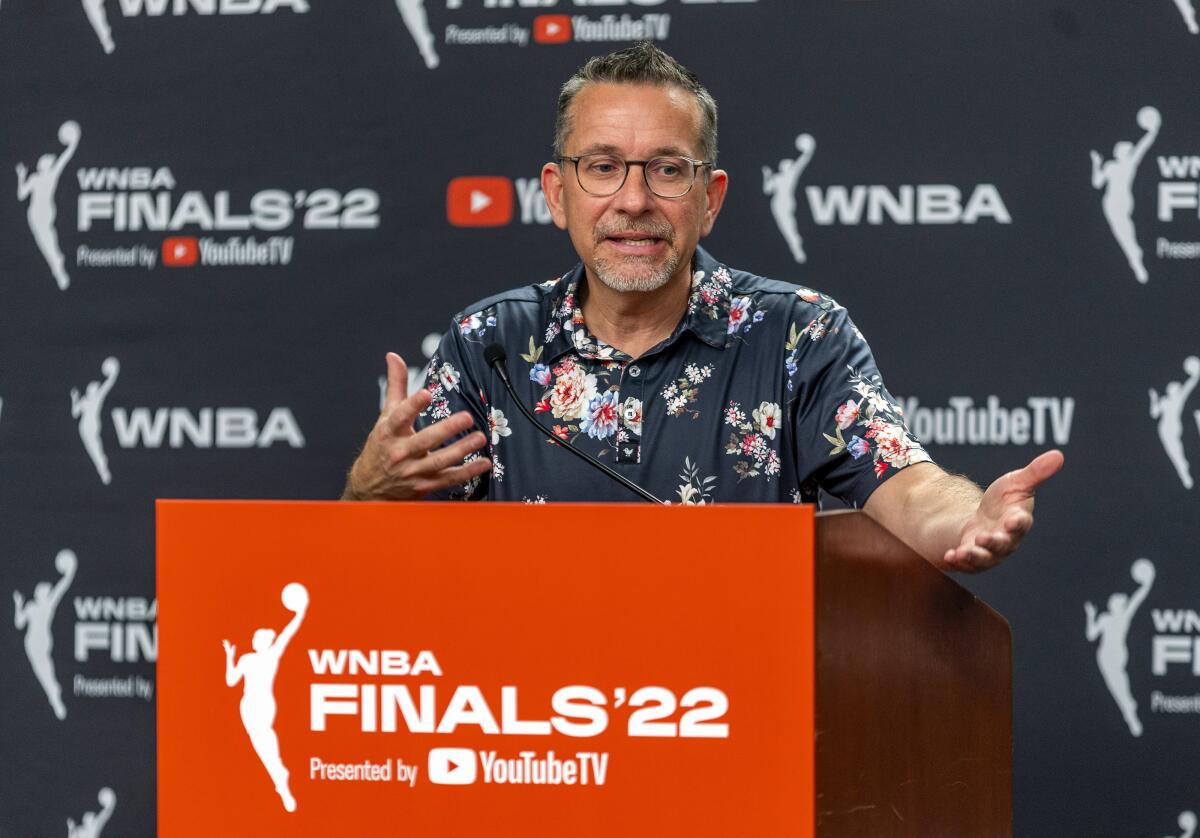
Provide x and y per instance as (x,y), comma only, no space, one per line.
(479,201)
(452,766)
(552,29)
(180,251)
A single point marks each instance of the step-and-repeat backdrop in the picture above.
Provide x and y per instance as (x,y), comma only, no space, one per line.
(220,214)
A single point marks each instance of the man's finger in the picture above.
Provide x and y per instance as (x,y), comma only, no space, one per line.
(995,542)
(400,421)
(456,476)
(441,432)
(1042,468)
(397,383)
(1018,522)
(452,455)
(969,558)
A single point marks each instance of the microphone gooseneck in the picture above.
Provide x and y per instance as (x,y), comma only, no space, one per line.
(495,356)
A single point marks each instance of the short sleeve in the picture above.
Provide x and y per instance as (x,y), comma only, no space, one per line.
(849,430)
(451,380)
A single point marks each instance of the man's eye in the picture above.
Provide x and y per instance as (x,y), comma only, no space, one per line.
(603,167)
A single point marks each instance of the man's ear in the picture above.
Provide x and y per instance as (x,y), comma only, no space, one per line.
(552,188)
(714,189)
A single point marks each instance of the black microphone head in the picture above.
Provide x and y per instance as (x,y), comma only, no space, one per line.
(494,354)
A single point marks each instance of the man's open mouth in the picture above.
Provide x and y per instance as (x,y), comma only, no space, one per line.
(633,243)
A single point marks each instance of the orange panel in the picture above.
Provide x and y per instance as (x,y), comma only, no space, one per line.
(556,618)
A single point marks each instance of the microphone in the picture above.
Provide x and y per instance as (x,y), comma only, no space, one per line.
(495,356)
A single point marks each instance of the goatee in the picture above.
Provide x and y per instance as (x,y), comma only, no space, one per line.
(633,273)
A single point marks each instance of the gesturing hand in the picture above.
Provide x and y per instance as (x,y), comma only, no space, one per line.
(1004,516)
(229,648)
(399,462)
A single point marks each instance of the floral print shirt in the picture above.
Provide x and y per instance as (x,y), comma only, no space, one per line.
(765,392)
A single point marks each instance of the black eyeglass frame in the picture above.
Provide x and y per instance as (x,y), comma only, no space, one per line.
(697,165)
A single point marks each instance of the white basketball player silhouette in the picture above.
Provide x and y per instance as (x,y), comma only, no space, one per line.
(258,669)
(40,187)
(1168,410)
(417,21)
(1187,822)
(1189,15)
(1112,628)
(781,185)
(87,409)
(93,822)
(1116,178)
(35,617)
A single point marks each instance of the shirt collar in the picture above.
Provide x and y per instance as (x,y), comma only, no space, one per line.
(708,306)
(707,314)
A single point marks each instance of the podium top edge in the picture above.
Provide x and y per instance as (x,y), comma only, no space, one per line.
(468,504)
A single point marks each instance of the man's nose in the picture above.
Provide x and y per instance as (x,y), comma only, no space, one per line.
(634,196)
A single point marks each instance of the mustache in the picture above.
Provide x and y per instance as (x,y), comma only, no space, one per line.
(657,230)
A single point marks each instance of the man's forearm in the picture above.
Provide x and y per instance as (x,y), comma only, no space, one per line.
(938,514)
(933,509)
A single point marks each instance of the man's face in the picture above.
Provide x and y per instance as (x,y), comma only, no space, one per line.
(633,240)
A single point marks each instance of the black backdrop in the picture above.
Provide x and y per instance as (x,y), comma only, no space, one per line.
(324,118)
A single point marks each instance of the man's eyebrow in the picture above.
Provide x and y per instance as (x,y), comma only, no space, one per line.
(599,148)
(661,151)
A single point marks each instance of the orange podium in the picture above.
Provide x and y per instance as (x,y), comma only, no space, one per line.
(569,670)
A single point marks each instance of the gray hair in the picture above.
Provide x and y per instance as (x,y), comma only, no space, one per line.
(642,63)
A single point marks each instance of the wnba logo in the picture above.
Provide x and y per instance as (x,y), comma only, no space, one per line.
(1111,628)
(35,617)
(173,427)
(1174,650)
(256,671)
(1116,177)
(872,204)
(40,187)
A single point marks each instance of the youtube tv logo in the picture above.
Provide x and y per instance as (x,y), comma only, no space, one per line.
(479,201)
(552,29)
(452,766)
(180,251)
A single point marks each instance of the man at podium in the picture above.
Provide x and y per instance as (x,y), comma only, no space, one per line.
(683,377)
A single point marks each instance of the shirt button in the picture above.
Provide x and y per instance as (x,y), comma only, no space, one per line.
(635,371)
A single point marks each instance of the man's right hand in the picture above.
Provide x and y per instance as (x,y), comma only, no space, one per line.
(399,462)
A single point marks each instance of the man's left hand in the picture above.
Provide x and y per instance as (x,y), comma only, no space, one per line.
(1004,516)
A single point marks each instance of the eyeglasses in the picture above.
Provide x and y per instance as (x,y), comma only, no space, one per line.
(604,174)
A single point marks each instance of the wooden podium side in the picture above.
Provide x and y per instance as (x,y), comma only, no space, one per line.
(913,694)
